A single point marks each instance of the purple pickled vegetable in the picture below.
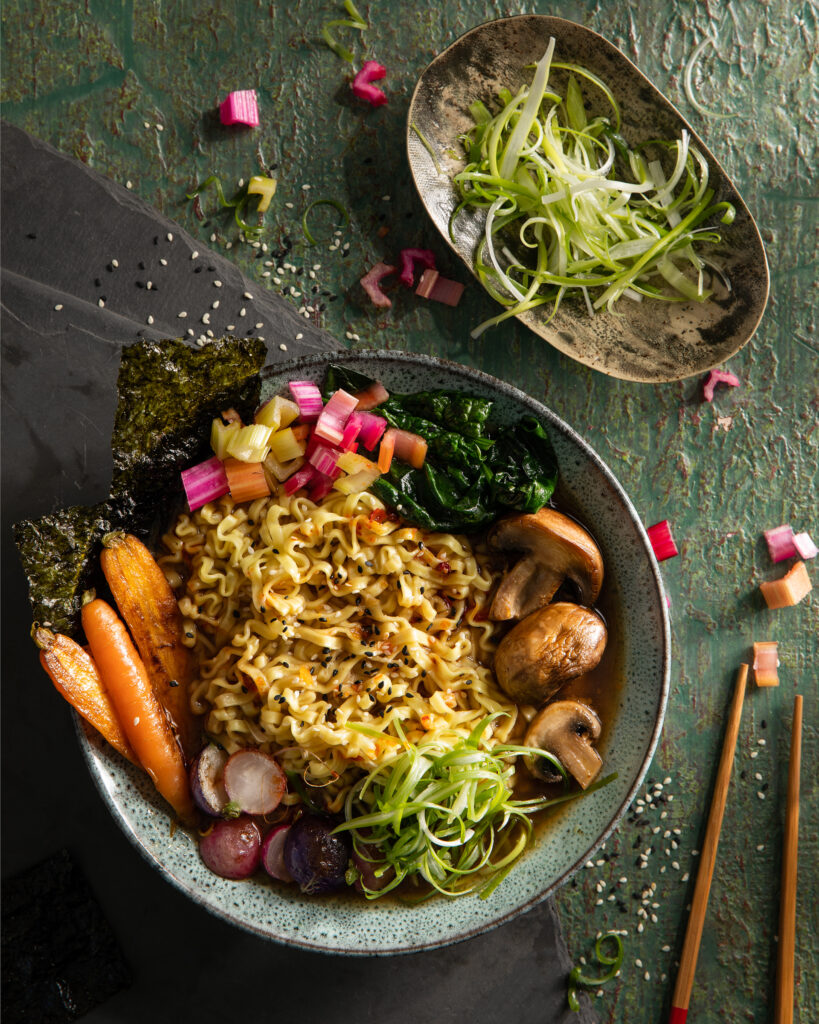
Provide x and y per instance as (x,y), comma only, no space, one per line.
(316,858)
(273,853)
(207,780)
(232,848)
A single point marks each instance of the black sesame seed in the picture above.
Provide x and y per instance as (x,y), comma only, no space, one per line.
(31,235)
(764,724)
(173,682)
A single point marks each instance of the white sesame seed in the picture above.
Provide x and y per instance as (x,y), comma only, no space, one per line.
(210,334)
(243,311)
(638,963)
(665,813)
(656,829)
(685,877)
(589,863)
(600,863)
(100,303)
(206,318)
(299,336)
(266,273)
(283,347)
(675,865)
(758,776)
(611,898)
(669,797)
(195,254)
(311,274)
(385,199)
(676,831)
(277,280)
(231,327)
(149,285)
(640,803)
(761,795)
(305,188)
(640,927)
(647,976)
(150,320)
(623,880)
(161,128)
(190,332)
(760,848)
(259,326)
(114,263)
(667,780)
(658,788)
(754,753)
(182,315)
(761,742)
(146,124)
(247,295)
(289,206)
(59,306)
(169,236)
(674,844)
(598,903)
(695,853)
(164,262)
(662,870)
(129,184)
(213,236)
(667,833)
(228,245)
(655,906)
(217,284)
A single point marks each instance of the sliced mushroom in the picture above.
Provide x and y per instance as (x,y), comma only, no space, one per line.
(567,729)
(547,649)
(554,549)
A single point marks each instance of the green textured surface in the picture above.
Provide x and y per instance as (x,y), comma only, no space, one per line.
(721,473)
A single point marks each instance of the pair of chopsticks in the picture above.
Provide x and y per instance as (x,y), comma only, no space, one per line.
(787,912)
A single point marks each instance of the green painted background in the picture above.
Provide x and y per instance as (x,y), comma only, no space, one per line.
(131,89)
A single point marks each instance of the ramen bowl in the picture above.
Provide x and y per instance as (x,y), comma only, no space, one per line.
(635,607)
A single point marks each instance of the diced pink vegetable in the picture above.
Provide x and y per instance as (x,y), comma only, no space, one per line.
(351,432)
(412,448)
(273,853)
(362,87)
(718,377)
(372,427)
(409,257)
(254,781)
(372,396)
(780,543)
(320,486)
(324,459)
(205,482)
(333,418)
(439,289)
(301,478)
(308,398)
(661,541)
(371,283)
(805,547)
(240,108)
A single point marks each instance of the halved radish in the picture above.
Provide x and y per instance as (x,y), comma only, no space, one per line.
(254,781)
(273,853)
(207,782)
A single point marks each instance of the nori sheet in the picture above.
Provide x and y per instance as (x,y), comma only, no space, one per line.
(60,955)
(167,395)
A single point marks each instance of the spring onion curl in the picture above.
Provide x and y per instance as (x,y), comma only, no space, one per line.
(308,234)
(444,811)
(571,208)
(355,21)
(237,204)
(614,963)
(688,75)
(427,146)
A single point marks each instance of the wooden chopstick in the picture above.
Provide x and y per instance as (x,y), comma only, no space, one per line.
(696,919)
(787,906)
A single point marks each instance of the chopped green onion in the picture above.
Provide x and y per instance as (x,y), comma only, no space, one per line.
(345,217)
(427,145)
(443,810)
(690,64)
(614,963)
(570,208)
(237,205)
(355,21)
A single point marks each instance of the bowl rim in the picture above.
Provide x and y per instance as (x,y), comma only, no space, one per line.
(542,412)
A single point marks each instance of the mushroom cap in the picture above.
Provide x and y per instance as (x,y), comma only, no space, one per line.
(567,729)
(553,548)
(547,649)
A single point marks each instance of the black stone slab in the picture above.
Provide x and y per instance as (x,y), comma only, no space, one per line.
(62,226)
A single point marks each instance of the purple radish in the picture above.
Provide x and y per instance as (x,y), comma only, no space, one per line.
(207,785)
(232,848)
(254,781)
(273,853)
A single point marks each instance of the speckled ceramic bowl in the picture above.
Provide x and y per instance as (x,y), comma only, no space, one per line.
(640,638)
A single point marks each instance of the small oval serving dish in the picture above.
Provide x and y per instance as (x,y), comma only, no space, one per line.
(652,340)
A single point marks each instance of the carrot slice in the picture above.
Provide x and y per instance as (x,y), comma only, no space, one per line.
(247,480)
(76,678)
(788,591)
(147,603)
(766,662)
(143,719)
(385,451)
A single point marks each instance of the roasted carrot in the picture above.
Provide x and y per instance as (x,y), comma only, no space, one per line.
(147,603)
(75,676)
(142,716)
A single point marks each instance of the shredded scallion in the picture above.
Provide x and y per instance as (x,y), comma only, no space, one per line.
(355,21)
(237,204)
(443,810)
(577,979)
(321,202)
(570,208)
